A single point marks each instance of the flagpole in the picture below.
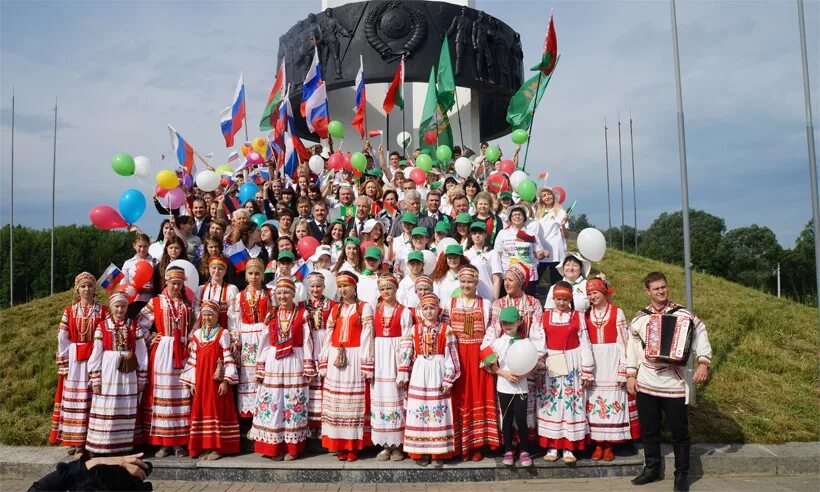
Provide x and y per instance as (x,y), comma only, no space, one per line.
(403,129)
(810,142)
(53,192)
(621,166)
(634,192)
(608,192)
(458,114)
(364,96)
(11,222)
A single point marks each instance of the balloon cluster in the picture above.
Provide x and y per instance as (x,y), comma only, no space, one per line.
(132,202)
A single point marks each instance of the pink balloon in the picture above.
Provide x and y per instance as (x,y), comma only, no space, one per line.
(347,165)
(107,218)
(307,246)
(418,176)
(507,166)
(336,161)
(431,137)
(175,198)
(160,191)
(255,158)
(562,194)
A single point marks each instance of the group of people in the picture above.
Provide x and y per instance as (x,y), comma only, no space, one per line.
(404,347)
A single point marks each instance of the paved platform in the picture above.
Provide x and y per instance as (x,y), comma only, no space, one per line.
(708,460)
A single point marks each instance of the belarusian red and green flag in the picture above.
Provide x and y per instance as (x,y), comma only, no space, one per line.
(523,103)
(435,127)
(270,113)
(395,93)
(550,55)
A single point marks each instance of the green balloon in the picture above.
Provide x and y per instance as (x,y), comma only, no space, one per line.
(358,161)
(456,293)
(336,129)
(258,219)
(492,153)
(444,153)
(526,190)
(519,136)
(424,162)
(123,164)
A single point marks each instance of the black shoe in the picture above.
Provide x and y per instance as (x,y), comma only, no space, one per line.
(647,476)
(681,482)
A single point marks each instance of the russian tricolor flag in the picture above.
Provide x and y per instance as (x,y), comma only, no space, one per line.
(231,117)
(183,151)
(302,272)
(361,100)
(314,99)
(238,254)
(110,277)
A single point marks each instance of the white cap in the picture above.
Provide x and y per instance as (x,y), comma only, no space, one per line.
(320,251)
(369,225)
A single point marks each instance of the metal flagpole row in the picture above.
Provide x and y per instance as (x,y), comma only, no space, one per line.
(608,192)
(53,192)
(11,222)
(621,166)
(634,192)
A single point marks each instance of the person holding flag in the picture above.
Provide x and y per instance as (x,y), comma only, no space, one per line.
(314,99)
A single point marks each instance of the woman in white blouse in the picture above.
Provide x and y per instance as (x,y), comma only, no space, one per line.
(552,235)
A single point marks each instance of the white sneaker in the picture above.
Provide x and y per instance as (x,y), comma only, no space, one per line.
(569,457)
(552,455)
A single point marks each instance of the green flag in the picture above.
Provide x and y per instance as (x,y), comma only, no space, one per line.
(523,103)
(434,122)
(446,85)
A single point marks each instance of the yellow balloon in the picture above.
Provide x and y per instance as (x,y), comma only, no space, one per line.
(260,145)
(224,168)
(167,179)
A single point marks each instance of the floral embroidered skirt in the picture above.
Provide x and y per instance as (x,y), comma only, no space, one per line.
(562,418)
(249,337)
(429,422)
(607,405)
(387,400)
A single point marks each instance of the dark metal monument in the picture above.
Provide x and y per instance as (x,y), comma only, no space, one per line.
(486,52)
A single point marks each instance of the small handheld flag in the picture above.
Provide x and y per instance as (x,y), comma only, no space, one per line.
(183,151)
(544,176)
(238,254)
(569,210)
(110,278)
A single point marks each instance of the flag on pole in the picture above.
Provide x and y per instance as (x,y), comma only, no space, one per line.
(395,93)
(294,148)
(543,175)
(361,100)
(270,114)
(238,254)
(110,277)
(434,122)
(230,120)
(314,98)
(550,55)
(446,83)
(233,157)
(183,151)
(302,272)
(374,133)
(523,103)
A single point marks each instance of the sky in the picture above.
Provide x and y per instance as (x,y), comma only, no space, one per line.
(120,71)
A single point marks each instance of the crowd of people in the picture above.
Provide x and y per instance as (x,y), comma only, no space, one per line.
(405,347)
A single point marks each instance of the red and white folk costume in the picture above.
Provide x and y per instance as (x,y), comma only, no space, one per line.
(562,417)
(166,401)
(612,413)
(346,362)
(474,407)
(390,323)
(118,370)
(214,423)
(250,311)
(429,362)
(223,293)
(284,362)
(72,400)
(318,312)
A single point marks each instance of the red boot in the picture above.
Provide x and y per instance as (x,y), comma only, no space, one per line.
(609,455)
(598,453)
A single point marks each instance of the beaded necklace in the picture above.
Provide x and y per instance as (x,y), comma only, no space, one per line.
(209,333)
(85,317)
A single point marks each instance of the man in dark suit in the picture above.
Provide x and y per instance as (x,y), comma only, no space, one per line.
(433,215)
(356,223)
(318,225)
(201,219)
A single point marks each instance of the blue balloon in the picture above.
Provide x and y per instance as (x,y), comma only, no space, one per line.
(247,192)
(132,205)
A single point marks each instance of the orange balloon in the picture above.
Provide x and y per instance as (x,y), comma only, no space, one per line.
(245,149)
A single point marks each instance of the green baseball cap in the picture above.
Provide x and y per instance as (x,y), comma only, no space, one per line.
(435,185)
(463,218)
(415,256)
(505,194)
(419,231)
(373,252)
(376,173)
(410,218)
(509,314)
(454,249)
(353,240)
(442,226)
(286,255)
(478,225)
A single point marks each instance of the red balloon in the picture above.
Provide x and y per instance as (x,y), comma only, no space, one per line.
(507,166)
(498,183)
(160,191)
(418,176)
(336,161)
(142,273)
(307,246)
(562,194)
(129,290)
(107,218)
(347,165)
(431,137)
(365,245)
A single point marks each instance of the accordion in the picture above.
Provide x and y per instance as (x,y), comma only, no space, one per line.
(669,338)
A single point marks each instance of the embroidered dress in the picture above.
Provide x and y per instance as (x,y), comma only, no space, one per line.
(119,367)
(474,404)
(72,400)
(429,359)
(390,323)
(214,423)
(579,295)
(562,417)
(166,401)
(250,309)
(285,359)
(531,327)
(609,407)
(224,294)
(346,360)
(317,313)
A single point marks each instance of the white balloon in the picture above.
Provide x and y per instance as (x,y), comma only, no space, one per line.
(317,165)
(207,180)
(522,357)
(442,245)
(464,167)
(191,275)
(591,244)
(516,178)
(404,140)
(330,283)
(406,171)
(429,261)
(142,166)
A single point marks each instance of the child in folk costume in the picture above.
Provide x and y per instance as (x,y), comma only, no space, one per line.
(72,401)
(250,310)
(166,401)
(430,366)
(285,365)
(612,413)
(346,363)
(118,370)
(474,406)
(562,418)
(390,323)
(210,374)
(512,389)
(318,311)
(219,290)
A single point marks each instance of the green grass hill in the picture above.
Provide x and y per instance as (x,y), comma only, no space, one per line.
(763,386)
